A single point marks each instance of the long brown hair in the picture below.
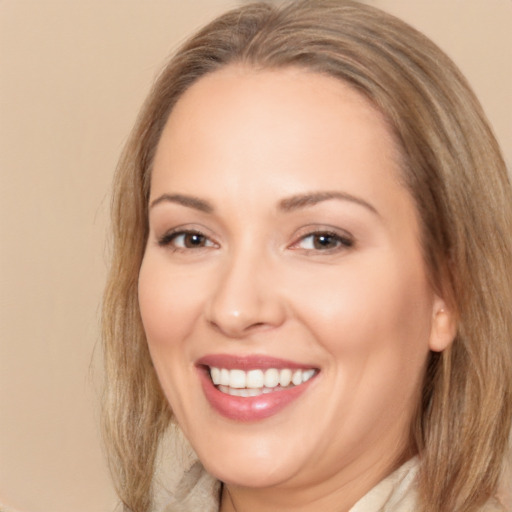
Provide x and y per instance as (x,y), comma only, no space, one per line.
(454,170)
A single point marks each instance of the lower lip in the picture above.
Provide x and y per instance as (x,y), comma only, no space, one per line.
(251,408)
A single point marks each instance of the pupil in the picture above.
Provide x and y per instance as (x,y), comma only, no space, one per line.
(324,242)
(194,240)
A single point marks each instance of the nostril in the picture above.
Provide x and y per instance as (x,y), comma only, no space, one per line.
(238,307)
(237,329)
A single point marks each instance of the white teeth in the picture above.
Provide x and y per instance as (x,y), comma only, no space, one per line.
(237,379)
(237,382)
(224,377)
(285,377)
(271,378)
(307,374)
(215,374)
(297,377)
(255,379)
(245,392)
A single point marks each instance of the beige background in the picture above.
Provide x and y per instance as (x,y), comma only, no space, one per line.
(72,76)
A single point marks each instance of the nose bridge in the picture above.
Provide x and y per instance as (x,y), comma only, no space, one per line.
(244,297)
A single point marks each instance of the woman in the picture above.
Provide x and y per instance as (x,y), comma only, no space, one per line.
(311,274)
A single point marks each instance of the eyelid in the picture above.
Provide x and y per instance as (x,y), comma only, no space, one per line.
(346,239)
(167,238)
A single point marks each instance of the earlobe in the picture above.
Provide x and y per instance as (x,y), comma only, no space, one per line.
(444,326)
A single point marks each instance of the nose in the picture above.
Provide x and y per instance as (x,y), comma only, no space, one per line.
(246,298)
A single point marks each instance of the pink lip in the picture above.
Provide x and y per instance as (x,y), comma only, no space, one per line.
(252,362)
(247,409)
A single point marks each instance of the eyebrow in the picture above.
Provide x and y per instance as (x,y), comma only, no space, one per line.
(305,200)
(188,201)
(286,205)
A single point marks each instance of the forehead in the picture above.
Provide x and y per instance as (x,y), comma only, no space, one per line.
(241,123)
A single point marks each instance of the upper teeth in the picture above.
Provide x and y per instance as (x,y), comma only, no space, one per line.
(256,379)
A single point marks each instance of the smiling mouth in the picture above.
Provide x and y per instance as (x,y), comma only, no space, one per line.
(249,388)
(255,382)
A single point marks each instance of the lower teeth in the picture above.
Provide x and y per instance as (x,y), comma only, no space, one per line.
(247,392)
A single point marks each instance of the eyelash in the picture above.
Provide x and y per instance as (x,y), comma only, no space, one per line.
(170,238)
(342,242)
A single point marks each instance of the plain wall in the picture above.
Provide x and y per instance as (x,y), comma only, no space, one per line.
(72,77)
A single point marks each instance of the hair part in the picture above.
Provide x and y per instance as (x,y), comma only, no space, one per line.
(452,167)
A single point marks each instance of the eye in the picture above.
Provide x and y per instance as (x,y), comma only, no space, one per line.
(185,240)
(324,241)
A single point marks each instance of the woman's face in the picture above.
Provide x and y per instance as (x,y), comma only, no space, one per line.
(283,247)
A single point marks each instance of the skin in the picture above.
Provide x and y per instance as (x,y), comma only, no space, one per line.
(258,282)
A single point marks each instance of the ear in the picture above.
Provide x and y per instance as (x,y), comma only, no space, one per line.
(444,326)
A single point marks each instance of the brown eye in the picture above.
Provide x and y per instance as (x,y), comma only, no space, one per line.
(324,241)
(192,240)
(186,240)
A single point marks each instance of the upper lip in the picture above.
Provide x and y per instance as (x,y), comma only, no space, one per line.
(249,362)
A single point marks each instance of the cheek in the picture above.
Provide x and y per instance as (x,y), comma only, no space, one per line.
(169,309)
(375,313)
(169,302)
(375,327)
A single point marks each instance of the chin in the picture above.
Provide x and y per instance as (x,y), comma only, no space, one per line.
(255,474)
(255,463)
